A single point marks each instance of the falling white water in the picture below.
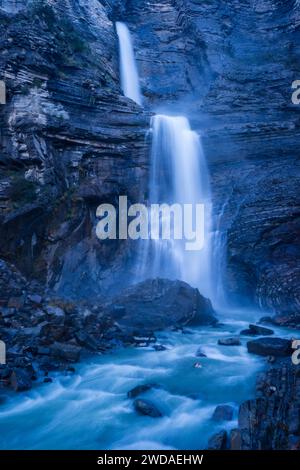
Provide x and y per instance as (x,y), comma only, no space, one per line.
(128,69)
(178,175)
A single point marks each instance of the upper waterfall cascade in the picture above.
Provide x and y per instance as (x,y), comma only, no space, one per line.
(128,68)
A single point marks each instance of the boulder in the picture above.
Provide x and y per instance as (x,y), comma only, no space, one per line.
(160,303)
(223,413)
(146,408)
(256,330)
(200,353)
(86,340)
(229,341)
(20,380)
(159,347)
(218,441)
(56,314)
(65,351)
(277,347)
(35,299)
(139,389)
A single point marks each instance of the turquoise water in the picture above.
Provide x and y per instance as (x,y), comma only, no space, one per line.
(90,410)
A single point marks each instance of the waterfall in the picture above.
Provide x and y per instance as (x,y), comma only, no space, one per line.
(128,69)
(178,175)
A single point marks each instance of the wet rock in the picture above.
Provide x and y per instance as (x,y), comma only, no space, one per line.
(229,341)
(223,413)
(20,380)
(139,389)
(35,299)
(86,340)
(64,351)
(270,347)
(56,314)
(159,347)
(235,439)
(255,330)
(160,303)
(271,420)
(12,283)
(200,353)
(48,380)
(146,408)
(267,319)
(218,441)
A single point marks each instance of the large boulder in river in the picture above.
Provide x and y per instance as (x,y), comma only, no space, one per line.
(229,341)
(146,408)
(155,304)
(270,347)
(257,330)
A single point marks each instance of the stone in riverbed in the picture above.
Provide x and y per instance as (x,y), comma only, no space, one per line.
(256,330)
(200,353)
(223,413)
(218,441)
(229,342)
(277,347)
(65,351)
(86,340)
(139,389)
(146,408)
(155,304)
(20,380)
(159,347)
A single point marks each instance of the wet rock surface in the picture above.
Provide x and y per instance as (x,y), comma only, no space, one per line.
(256,330)
(229,341)
(69,141)
(223,413)
(139,389)
(218,441)
(270,347)
(159,303)
(146,408)
(272,419)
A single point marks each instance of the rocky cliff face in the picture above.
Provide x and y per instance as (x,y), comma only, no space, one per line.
(70,140)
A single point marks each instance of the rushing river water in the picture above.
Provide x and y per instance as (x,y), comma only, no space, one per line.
(90,410)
